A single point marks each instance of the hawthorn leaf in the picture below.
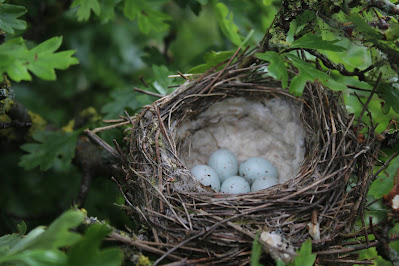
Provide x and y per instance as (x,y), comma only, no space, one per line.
(162,83)
(385,181)
(85,7)
(277,68)
(212,59)
(121,100)
(58,234)
(41,246)
(390,94)
(308,72)
(36,257)
(364,28)
(148,18)
(87,251)
(9,15)
(305,256)
(313,41)
(45,61)
(16,59)
(226,23)
(51,147)
(131,9)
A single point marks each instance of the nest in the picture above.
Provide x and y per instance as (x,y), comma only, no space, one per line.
(321,200)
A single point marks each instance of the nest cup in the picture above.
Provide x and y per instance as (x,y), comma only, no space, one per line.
(323,185)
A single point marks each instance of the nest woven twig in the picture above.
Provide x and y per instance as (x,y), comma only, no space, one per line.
(204,226)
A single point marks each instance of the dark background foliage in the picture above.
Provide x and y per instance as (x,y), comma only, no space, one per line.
(120,49)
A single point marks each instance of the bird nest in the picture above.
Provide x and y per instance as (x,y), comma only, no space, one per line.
(319,197)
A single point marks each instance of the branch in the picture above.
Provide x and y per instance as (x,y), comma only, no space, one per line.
(15,124)
(333,66)
(385,6)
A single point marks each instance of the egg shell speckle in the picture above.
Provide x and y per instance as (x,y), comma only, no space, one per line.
(255,167)
(207,176)
(236,185)
(224,163)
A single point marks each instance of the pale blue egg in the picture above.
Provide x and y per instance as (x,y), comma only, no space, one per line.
(206,175)
(263,183)
(255,167)
(224,163)
(236,185)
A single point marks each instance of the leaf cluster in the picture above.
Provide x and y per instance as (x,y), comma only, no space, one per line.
(46,246)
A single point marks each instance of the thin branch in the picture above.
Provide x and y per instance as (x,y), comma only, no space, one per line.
(14,124)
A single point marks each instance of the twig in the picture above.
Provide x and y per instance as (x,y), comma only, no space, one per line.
(14,124)
(369,98)
(220,73)
(178,246)
(102,143)
(148,93)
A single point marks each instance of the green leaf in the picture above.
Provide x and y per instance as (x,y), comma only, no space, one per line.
(87,251)
(385,181)
(226,23)
(37,257)
(122,99)
(16,59)
(85,7)
(390,94)
(148,18)
(9,15)
(308,72)
(364,28)
(305,256)
(277,68)
(162,83)
(46,61)
(256,251)
(52,147)
(41,246)
(392,33)
(194,5)
(212,59)
(312,41)
(58,234)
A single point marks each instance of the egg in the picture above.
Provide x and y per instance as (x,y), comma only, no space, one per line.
(263,183)
(224,163)
(236,185)
(206,175)
(255,167)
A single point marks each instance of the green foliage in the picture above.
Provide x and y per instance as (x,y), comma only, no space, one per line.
(369,32)
(384,183)
(305,256)
(52,147)
(256,251)
(16,59)
(41,246)
(153,39)
(277,68)
(390,94)
(307,72)
(313,41)
(148,18)
(123,99)
(212,59)
(225,18)
(85,7)
(87,250)
(9,15)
